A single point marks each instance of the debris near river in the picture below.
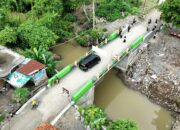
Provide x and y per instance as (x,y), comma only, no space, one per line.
(157,73)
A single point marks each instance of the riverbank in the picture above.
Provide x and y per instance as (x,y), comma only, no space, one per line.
(156,74)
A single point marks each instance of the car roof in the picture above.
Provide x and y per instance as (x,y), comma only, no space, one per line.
(90,57)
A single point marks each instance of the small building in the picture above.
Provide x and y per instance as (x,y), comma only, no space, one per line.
(46,126)
(28,70)
(18,70)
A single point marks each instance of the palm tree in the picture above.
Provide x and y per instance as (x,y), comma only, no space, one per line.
(44,57)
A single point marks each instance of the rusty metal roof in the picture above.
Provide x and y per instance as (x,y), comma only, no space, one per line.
(46,126)
(31,67)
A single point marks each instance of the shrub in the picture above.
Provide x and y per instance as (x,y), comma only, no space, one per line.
(34,35)
(70,17)
(8,36)
(63,29)
(112,10)
(94,117)
(122,124)
(21,95)
(170,11)
(43,56)
(3,18)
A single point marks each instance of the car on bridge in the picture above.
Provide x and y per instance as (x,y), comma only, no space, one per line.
(89,61)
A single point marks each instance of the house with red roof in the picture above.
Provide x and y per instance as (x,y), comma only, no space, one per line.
(28,70)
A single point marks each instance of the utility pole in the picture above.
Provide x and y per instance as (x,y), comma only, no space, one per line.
(93,14)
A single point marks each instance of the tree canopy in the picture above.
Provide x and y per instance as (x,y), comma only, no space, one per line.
(171,11)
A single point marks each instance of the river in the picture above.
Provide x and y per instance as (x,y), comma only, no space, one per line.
(116,99)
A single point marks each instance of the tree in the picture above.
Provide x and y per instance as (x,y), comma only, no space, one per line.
(112,9)
(34,35)
(21,95)
(8,35)
(122,124)
(46,6)
(171,11)
(3,18)
(44,57)
(94,117)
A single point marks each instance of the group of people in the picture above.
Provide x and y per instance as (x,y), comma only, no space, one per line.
(128,29)
(155,28)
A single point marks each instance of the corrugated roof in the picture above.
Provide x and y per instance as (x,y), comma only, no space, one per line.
(30,67)
(46,126)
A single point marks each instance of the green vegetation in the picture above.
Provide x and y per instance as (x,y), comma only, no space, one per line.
(90,35)
(171,11)
(8,36)
(34,35)
(44,57)
(122,124)
(21,95)
(115,9)
(94,117)
(97,119)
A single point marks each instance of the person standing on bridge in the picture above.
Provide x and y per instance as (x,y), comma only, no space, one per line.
(120,32)
(134,21)
(124,40)
(129,27)
(149,21)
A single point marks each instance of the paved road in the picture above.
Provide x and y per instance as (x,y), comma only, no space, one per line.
(53,101)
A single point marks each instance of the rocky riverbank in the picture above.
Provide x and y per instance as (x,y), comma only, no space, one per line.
(157,74)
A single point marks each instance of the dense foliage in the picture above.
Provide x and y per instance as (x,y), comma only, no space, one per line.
(34,35)
(122,124)
(96,118)
(44,57)
(115,9)
(88,36)
(171,11)
(21,95)
(8,36)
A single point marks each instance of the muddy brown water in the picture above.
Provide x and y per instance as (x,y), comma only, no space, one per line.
(116,99)
(69,53)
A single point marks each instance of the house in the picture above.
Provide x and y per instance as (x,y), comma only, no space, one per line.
(46,126)
(28,70)
(18,70)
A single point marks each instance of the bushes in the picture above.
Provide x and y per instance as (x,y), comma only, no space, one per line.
(34,35)
(112,10)
(42,7)
(96,119)
(21,95)
(87,36)
(44,57)
(122,124)
(8,36)
(170,11)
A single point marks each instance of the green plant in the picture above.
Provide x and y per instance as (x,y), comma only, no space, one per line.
(170,11)
(94,117)
(21,95)
(8,36)
(43,56)
(34,35)
(114,9)
(122,124)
